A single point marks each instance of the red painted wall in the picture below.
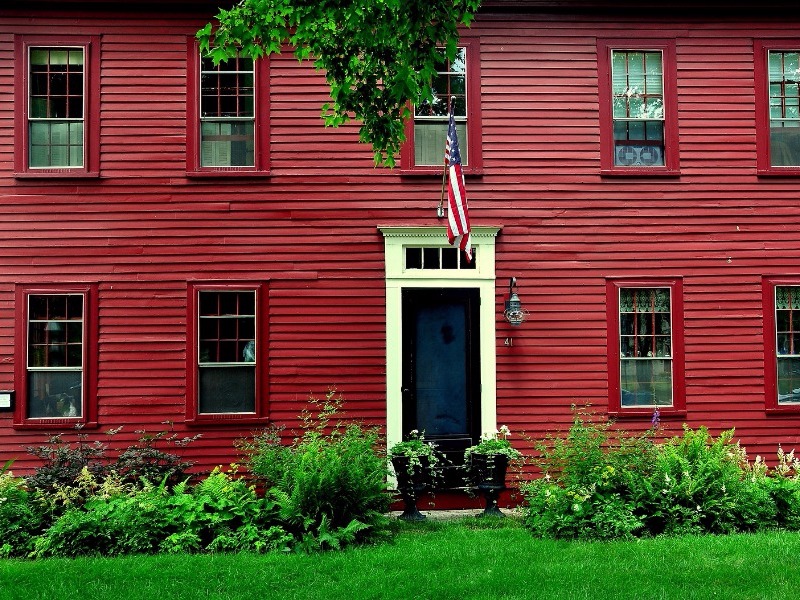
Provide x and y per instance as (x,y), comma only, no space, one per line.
(143,229)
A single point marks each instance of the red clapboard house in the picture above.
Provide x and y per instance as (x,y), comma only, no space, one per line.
(189,244)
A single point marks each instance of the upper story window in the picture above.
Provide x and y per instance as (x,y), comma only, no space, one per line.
(56,345)
(777,72)
(57,92)
(426,133)
(227,113)
(646,360)
(55,113)
(638,116)
(226,365)
(782,344)
(227,129)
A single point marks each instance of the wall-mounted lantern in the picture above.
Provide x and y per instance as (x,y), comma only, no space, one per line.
(514,312)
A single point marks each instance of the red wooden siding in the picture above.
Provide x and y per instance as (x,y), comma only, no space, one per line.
(143,230)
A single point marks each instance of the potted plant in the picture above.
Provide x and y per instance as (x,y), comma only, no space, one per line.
(488,462)
(415,462)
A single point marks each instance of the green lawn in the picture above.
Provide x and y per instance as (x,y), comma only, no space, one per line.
(460,560)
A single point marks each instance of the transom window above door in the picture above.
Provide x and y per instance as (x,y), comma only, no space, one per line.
(438,258)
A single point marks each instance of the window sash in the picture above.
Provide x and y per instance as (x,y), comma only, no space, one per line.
(787,343)
(56,98)
(226,342)
(783,83)
(55,355)
(637,105)
(645,347)
(227,112)
(431,118)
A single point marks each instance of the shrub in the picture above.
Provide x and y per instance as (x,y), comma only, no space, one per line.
(62,462)
(19,517)
(603,484)
(330,480)
(219,514)
(146,461)
(584,490)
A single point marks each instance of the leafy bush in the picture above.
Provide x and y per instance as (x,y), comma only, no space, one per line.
(584,490)
(63,463)
(220,514)
(19,516)
(146,461)
(602,484)
(330,481)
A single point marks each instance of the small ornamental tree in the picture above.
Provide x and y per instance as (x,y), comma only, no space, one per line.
(377,55)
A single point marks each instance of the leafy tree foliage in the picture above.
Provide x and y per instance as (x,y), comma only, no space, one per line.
(377,55)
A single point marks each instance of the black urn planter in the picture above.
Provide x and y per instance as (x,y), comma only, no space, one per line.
(413,480)
(488,474)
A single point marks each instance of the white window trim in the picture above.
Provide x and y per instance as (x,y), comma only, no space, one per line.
(482,278)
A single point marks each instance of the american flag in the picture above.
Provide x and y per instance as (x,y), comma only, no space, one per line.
(458,214)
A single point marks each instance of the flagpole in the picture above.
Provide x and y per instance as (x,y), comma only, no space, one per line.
(440,208)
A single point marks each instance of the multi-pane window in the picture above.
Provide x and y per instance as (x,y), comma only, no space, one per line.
(55,355)
(431,117)
(56,88)
(226,351)
(645,347)
(787,343)
(227,113)
(637,86)
(784,107)
(438,258)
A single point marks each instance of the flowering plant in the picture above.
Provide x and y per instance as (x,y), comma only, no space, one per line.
(494,443)
(417,450)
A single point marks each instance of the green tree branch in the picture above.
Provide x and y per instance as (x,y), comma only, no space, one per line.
(377,55)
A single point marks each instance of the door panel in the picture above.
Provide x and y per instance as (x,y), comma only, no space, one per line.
(441,370)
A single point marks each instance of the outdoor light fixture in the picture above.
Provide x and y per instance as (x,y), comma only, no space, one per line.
(514,312)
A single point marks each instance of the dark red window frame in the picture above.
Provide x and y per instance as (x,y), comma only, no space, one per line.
(615,407)
(771,404)
(474,126)
(88,416)
(761,49)
(91,105)
(261,165)
(193,414)
(671,165)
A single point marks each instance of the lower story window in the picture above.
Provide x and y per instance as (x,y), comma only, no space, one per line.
(645,372)
(226,340)
(787,343)
(55,355)
(645,336)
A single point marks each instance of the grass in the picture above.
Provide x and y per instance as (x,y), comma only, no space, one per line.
(464,560)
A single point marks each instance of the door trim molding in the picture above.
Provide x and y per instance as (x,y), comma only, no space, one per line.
(396,239)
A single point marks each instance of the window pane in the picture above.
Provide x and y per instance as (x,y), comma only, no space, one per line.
(413,258)
(429,139)
(227,327)
(450,258)
(430,258)
(646,382)
(227,144)
(54,394)
(227,389)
